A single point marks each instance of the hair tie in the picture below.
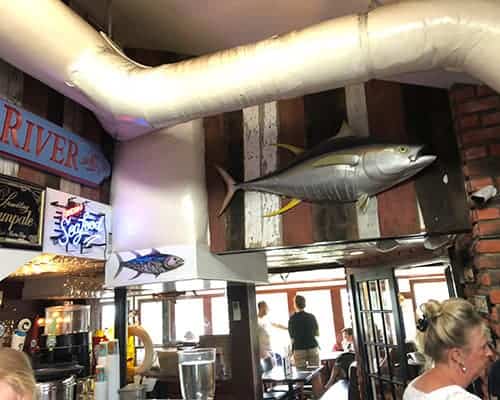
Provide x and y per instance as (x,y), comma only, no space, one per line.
(422,323)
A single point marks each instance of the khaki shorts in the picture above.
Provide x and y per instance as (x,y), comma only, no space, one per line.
(307,357)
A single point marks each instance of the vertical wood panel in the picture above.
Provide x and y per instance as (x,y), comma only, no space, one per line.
(297,223)
(397,208)
(233,135)
(36,100)
(11,89)
(357,116)
(325,113)
(253,205)
(443,206)
(271,227)
(215,155)
(260,133)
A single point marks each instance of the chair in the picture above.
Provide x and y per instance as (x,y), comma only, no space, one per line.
(343,362)
(353,382)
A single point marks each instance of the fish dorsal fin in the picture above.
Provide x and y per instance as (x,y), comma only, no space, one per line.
(292,203)
(344,131)
(290,147)
(155,252)
(337,159)
(136,253)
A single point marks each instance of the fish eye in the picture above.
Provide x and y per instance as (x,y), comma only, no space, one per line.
(403,149)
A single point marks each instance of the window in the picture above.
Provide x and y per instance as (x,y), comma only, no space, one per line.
(151,317)
(220,315)
(346,308)
(319,303)
(423,291)
(278,313)
(189,319)
(107,316)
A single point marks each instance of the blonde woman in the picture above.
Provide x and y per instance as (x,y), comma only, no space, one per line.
(455,338)
(17,381)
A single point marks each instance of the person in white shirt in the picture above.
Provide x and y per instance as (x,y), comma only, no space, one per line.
(455,338)
(347,340)
(264,329)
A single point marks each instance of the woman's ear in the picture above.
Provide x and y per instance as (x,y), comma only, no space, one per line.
(456,357)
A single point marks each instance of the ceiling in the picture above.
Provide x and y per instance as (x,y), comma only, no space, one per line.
(195,27)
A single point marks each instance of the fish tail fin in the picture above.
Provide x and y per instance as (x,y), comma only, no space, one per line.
(231,188)
(120,265)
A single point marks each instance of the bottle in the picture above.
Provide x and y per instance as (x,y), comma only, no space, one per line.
(287,365)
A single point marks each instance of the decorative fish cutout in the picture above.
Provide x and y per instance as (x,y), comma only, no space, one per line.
(154,263)
(342,169)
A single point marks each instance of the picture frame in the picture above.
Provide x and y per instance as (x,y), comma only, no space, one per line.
(22,207)
(481,304)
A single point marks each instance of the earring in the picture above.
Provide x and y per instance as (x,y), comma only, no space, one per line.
(462,367)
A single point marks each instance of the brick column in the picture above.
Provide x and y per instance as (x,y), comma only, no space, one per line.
(476,113)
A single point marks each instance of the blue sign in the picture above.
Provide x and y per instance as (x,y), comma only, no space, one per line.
(36,141)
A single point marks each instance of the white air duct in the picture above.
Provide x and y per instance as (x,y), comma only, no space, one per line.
(47,40)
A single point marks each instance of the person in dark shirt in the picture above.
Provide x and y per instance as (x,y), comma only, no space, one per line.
(303,329)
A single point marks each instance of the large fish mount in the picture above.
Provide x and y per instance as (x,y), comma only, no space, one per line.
(343,169)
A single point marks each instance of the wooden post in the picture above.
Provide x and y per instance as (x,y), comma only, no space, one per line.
(121,330)
(246,378)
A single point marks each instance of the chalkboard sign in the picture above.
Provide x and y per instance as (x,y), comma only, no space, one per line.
(21,214)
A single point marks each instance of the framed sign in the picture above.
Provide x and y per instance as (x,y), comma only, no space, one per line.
(21,213)
(75,226)
(36,141)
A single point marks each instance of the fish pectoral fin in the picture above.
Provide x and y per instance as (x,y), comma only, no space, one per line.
(363,202)
(337,159)
(137,275)
(290,147)
(291,204)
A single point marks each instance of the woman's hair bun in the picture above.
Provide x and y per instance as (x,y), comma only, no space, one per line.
(431,309)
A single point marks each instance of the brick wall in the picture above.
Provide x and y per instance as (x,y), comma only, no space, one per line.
(476,113)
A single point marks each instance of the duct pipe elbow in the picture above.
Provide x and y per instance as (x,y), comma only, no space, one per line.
(423,35)
(131,99)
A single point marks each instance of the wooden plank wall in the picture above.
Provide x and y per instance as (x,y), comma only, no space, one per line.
(34,96)
(385,110)
(397,208)
(440,187)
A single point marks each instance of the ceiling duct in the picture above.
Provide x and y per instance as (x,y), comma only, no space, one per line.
(131,99)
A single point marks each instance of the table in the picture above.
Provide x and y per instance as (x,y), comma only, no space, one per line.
(277,375)
(330,355)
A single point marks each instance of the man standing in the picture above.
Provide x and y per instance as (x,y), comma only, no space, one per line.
(264,329)
(303,329)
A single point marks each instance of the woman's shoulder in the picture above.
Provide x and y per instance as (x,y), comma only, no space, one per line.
(454,392)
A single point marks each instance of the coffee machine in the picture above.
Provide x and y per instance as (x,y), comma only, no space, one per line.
(64,349)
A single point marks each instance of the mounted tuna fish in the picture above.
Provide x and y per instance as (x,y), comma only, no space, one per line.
(154,263)
(342,169)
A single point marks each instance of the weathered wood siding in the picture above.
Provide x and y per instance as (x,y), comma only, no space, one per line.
(382,110)
(34,96)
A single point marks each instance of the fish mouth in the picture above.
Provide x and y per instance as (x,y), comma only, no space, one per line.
(419,160)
